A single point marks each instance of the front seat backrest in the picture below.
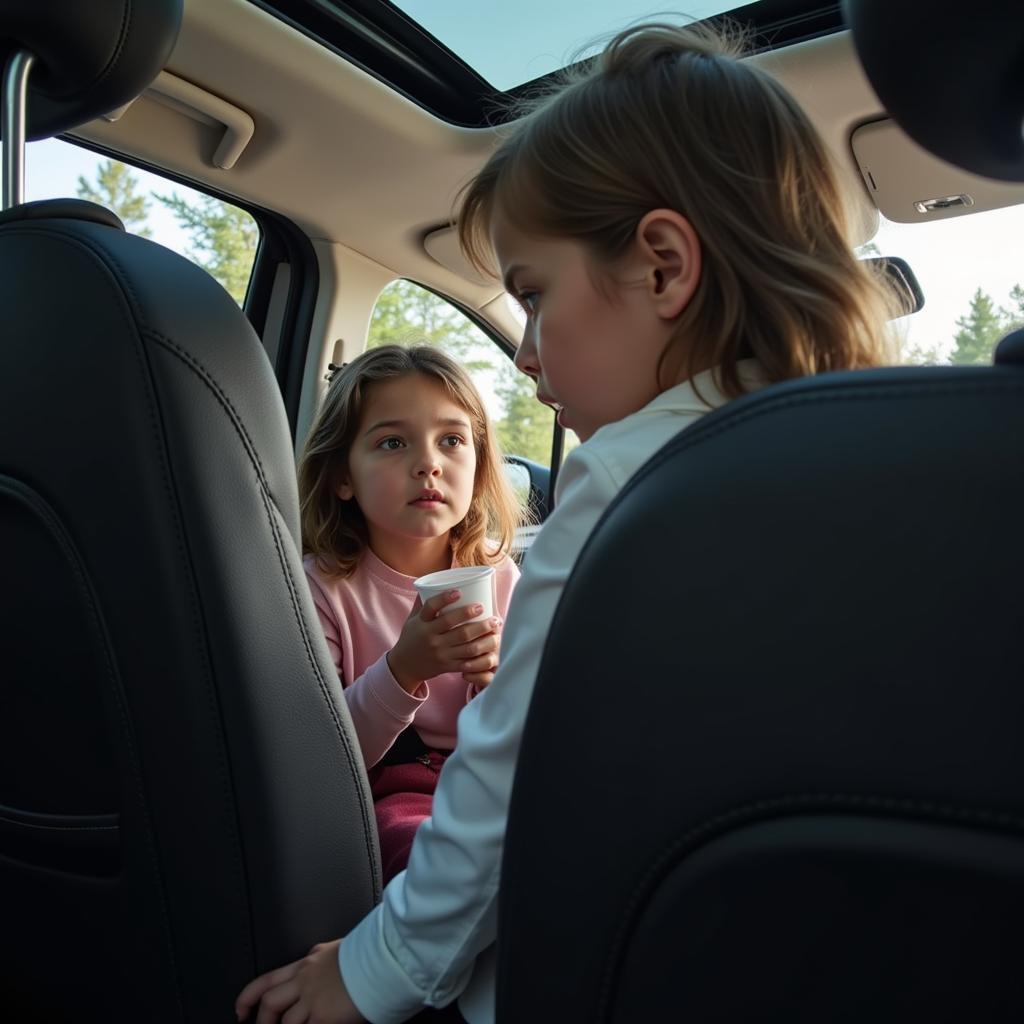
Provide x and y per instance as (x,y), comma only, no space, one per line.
(796,792)
(182,799)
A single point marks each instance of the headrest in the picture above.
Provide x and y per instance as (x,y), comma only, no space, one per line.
(951,75)
(61,209)
(90,58)
(1010,349)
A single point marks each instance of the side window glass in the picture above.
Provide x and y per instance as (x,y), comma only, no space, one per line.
(519,478)
(969,269)
(219,237)
(407,314)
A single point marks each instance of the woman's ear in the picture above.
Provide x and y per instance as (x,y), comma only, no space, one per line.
(343,489)
(669,249)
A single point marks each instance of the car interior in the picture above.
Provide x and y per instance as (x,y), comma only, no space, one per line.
(823,822)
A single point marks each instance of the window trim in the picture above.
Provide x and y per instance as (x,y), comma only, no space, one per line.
(284,243)
(280,241)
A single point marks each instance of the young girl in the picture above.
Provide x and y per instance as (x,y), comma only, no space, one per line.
(401,476)
(670,222)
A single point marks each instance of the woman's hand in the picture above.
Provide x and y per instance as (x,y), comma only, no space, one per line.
(435,641)
(308,991)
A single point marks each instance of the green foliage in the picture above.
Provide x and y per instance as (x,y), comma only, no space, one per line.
(979,331)
(526,427)
(408,315)
(1013,318)
(115,189)
(921,355)
(223,239)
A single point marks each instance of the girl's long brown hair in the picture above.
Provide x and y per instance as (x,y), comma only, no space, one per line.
(669,117)
(334,530)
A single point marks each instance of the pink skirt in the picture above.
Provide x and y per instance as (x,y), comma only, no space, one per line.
(403,795)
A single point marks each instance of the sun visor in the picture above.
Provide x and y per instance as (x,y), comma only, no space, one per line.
(910,186)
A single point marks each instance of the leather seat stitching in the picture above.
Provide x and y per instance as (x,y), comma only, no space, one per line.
(270,506)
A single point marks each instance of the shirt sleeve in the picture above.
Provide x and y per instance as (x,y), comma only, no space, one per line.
(380,709)
(418,946)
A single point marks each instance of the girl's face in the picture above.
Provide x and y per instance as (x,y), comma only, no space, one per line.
(411,466)
(594,356)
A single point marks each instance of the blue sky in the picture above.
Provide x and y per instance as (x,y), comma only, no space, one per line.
(530,38)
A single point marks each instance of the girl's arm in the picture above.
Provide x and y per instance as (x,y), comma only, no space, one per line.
(380,709)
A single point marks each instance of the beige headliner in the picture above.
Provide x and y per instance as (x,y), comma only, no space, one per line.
(351,161)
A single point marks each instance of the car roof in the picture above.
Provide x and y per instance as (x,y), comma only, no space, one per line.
(351,160)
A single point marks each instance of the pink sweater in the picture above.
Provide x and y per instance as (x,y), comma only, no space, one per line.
(362,617)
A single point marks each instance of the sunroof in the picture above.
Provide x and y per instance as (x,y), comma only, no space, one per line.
(457,57)
(508,44)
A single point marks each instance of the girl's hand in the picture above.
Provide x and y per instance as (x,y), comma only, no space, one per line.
(435,641)
(480,679)
(307,990)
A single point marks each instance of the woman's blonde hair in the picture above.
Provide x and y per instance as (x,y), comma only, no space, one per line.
(669,117)
(335,531)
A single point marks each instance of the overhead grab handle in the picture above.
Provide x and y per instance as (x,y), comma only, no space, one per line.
(203,106)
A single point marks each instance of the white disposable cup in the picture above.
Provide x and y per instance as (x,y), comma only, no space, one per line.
(475,584)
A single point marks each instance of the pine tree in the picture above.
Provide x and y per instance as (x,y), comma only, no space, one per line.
(115,189)
(1013,318)
(978,333)
(223,239)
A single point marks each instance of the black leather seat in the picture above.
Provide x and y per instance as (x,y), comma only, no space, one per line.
(797,791)
(182,798)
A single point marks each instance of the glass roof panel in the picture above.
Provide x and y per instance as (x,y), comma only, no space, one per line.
(508,44)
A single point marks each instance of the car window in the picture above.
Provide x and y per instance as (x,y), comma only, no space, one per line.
(219,237)
(407,314)
(971,271)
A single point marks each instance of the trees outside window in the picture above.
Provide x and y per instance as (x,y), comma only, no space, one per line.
(222,238)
